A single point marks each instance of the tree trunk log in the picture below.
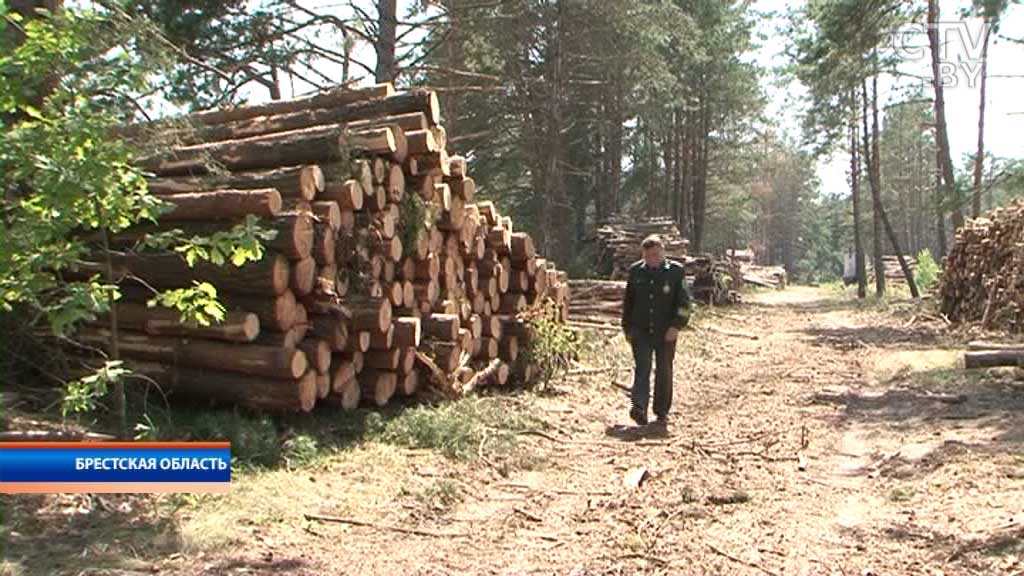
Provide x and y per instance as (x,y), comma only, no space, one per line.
(301,182)
(222,205)
(242,358)
(378,386)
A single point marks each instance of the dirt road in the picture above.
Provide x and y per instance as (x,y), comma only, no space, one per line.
(811,436)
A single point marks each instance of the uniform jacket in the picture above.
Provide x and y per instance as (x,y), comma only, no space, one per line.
(656,299)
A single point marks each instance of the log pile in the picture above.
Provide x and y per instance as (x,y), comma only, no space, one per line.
(387,275)
(619,239)
(983,275)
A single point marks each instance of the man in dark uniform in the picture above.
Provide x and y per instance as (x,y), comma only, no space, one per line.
(656,307)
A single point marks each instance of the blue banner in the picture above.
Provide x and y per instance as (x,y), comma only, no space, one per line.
(115,462)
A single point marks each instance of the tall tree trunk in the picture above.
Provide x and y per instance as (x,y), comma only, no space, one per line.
(940,213)
(876,175)
(387,24)
(701,177)
(979,157)
(615,147)
(858,237)
(876,199)
(942,136)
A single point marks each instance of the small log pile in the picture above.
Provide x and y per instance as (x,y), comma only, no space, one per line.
(713,281)
(619,239)
(387,275)
(983,275)
(892,270)
(983,354)
(597,301)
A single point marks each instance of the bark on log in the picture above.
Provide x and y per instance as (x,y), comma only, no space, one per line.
(992,358)
(302,182)
(276,314)
(242,358)
(222,205)
(306,146)
(269,276)
(230,388)
(410,122)
(289,339)
(238,326)
(334,98)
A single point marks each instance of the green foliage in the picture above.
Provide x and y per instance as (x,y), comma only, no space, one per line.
(552,346)
(300,450)
(459,429)
(83,395)
(66,185)
(197,304)
(927,272)
(240,244)
(254,439)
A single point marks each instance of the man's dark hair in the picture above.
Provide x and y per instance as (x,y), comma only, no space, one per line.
(652,241)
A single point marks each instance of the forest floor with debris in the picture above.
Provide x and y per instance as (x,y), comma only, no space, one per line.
(812,434)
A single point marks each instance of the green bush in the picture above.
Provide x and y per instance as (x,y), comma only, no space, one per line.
(927,272)
(551,347)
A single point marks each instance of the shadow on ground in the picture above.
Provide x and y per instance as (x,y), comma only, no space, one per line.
(80,533)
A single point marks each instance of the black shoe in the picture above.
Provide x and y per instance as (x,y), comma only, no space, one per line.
(639,417)
(661,420)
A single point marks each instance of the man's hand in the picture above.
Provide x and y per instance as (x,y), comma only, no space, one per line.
(671,334)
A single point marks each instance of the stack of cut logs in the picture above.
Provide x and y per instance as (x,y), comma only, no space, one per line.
(597,301)
(618,242)
(891,268)
(386,274)
(983,276)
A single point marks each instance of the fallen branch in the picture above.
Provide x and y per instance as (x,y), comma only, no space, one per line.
(594,326)
(413,531)
(591,371)
(53,436)
(740,560)
(724,332)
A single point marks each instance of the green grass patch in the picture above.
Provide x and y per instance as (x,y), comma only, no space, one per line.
(463,430)
(901,495)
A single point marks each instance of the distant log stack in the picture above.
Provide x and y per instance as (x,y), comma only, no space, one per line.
(387,275)
(619,239)
(983,274)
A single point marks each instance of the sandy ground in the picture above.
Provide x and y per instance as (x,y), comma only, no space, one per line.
(810,436)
